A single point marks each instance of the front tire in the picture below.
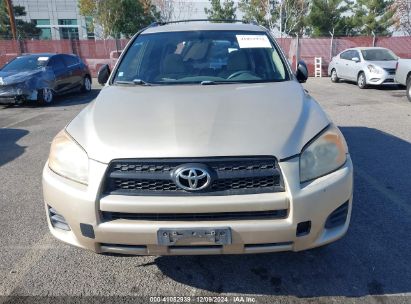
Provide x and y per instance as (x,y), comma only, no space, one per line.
(408,90)
(362,81)
(45,96)
(86,87)
(334,76)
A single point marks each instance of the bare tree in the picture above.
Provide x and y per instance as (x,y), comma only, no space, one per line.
(165,8)
(261,11)
(402,15)
(184,9)
(293,16)
(175,9)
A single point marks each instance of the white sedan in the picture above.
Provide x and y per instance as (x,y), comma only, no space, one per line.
(365,65)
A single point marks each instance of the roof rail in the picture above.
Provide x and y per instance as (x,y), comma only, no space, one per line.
(159,23)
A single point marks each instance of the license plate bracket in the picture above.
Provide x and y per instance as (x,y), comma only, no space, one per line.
(215,236)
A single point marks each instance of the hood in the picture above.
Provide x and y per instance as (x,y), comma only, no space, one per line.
(194,121)
(384,64)
(12,77)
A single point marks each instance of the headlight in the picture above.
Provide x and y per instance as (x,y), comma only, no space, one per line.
(374,69)
(68,159)
(323,155)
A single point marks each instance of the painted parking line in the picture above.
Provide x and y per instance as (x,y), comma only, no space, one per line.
(20,269)
(20,121)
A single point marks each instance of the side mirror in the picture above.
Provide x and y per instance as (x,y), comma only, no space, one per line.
(302,72)
(355,59)
(103,74)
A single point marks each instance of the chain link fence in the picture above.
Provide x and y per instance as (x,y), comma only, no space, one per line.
(98,52)
(94,52)
(308,49)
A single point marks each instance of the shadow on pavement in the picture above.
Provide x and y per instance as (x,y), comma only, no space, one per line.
(383,87)
(372,259)
(9,149)
(70,99)
(75,98)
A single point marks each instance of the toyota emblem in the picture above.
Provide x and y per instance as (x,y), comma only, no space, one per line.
(192,178)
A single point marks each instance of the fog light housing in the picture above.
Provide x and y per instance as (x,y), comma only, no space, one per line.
(338,217)
(57,220)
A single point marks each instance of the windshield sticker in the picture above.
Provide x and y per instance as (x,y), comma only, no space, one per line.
(120,74)
(43,58)
(253,41)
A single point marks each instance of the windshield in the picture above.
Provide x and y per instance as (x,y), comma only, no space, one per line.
(201,57)
(378,55)
(26,63)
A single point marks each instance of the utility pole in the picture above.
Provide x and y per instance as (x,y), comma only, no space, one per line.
(331,43)
(10,10)
(281,18)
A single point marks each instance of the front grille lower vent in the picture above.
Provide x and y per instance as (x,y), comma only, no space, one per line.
(57,220)
(230,176)
(216,216)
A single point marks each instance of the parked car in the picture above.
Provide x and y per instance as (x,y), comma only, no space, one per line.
(178,155)
(403,75)
(39,77)
(95,64)
(368,66)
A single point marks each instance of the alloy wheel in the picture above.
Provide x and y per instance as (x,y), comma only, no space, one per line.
(87,84)
(47,95)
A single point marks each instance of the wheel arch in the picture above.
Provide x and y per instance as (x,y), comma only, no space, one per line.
(361,71)
(408,77)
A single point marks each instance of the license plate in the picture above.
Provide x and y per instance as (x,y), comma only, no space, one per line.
(183,236)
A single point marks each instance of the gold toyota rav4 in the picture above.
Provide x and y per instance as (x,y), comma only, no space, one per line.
(202,141)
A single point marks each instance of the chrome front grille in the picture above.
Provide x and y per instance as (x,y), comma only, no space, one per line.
(231,176)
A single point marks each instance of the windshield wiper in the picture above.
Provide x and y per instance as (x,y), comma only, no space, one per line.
(211,82)
(134,82)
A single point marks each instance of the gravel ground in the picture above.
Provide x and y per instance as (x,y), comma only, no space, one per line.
(371,264)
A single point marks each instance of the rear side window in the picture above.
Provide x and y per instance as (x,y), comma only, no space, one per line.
(355,54)
(57,63)
(346,55)
(70,60)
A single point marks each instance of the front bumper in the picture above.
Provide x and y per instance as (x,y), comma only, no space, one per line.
(14,94)
(314,201)
(379,79)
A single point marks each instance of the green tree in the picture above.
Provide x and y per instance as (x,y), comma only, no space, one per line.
(372,16)
(225,11)
(24,29)
(263,12)
(328,16)
(118,17)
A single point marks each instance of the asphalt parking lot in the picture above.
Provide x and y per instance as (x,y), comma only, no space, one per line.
(371,264)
